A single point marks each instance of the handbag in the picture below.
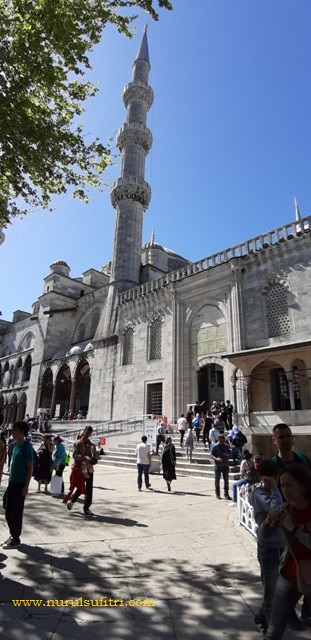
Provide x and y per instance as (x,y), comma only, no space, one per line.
(304,576)
(56,485)
(5,499)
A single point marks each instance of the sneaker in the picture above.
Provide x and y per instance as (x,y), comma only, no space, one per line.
(218,497)
(149,486)
(6,541)
(261,623)
(11,544)
(232,504)
(88,512)
(228,497)
(69,505)
(139,489)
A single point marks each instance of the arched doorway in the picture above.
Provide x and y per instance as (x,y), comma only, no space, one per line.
(46,389)
(12,409)
(21,407)
(27,368)
(83,384)
(211,384)
(63,388)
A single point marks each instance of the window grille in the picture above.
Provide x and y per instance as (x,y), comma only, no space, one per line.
(278,316)
(154,398)
(155,338)
(128,346)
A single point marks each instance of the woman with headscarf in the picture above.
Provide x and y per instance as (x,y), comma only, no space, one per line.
(44,471)
(169,462)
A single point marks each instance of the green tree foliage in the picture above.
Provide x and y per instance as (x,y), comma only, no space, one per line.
(44,59)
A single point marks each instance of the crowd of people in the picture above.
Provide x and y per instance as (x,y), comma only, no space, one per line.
(280,496)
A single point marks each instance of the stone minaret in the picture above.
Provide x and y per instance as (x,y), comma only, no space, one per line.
(130,194)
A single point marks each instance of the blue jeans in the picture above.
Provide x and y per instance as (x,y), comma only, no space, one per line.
(285,599)
(269,560)
(143,469)
(238,483)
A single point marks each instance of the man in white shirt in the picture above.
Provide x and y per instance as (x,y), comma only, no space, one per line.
(143,463)
(182,425)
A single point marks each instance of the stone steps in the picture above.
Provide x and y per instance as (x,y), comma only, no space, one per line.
(123,456)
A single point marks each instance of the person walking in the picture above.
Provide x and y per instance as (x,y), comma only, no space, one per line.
(295,519)
(143,463)
(59,459)
(169,462)
(182,426)
(85,457)
(189,442)
(220,453)
(20,475)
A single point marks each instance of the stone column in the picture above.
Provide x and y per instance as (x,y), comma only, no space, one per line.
(53,400)
(72,400)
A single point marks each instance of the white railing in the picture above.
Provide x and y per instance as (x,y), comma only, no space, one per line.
(245,509)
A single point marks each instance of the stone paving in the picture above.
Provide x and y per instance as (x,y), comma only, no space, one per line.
(182,551)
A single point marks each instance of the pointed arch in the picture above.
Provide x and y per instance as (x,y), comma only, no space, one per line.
(83,385)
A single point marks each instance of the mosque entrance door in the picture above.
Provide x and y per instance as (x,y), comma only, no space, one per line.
(210,384)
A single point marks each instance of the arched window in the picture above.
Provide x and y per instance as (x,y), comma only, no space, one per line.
(128,346)
(277,309)
(155,339)
(27,368)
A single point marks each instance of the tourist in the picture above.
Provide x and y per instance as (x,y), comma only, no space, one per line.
(19,479)
(283,439)
(295,519)
(2,451)
(265,498)
(85,457)
(220,453)
(245,468)
(44,470)
(189,443)
(182,426)
(169,462)
(143,463)
(59,459)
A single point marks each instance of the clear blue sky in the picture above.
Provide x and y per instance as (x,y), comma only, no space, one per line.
(232,139)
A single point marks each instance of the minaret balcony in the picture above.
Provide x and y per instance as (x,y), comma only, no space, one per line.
(135,133)
(138,91)
(130,189)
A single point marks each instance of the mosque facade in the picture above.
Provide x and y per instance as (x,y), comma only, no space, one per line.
(152,331)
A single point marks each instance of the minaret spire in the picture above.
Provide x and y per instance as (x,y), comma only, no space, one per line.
(131,194)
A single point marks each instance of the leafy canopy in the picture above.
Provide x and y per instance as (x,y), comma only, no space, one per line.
(44,58)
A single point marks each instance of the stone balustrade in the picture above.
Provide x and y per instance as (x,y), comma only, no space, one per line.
(272,238)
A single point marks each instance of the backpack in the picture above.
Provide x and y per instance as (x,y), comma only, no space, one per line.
(239,440)
(67,459)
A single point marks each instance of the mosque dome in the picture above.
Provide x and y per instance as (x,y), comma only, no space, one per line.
(61,267)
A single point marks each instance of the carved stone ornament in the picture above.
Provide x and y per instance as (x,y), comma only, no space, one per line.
(135,134)
(126,190)
(138,92)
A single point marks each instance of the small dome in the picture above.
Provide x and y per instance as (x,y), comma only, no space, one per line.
(89,347)
(74,350)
